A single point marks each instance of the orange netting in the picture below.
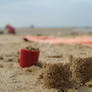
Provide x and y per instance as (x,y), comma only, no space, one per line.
(53,40)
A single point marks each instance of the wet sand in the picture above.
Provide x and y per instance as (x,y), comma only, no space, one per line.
(15,79)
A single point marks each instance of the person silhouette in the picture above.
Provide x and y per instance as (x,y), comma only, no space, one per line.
(10,29)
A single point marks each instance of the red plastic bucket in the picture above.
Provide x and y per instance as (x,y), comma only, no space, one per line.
(29,57)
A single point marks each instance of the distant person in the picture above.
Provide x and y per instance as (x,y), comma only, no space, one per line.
(32,26)
(10,29)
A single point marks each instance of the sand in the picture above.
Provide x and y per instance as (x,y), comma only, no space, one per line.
(15,79)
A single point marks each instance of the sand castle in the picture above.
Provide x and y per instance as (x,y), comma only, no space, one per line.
(82,69)
(64,75)
(57,75)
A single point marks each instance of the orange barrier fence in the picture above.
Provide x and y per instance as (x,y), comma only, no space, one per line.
(85,40)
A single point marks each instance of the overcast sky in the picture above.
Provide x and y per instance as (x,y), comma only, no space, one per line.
(46,13)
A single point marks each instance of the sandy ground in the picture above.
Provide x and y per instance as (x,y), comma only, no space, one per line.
(15,79)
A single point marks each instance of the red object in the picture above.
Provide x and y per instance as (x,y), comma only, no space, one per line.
(29,57)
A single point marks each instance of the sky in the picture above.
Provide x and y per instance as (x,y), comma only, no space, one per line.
(46,13)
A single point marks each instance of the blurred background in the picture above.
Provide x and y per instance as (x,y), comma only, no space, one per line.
(57,14)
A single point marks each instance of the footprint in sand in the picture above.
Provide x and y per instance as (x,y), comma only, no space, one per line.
(1,66)
(1,58)
(10,60)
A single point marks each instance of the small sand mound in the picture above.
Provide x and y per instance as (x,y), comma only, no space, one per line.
(32,69)
(82,69)
(57,75)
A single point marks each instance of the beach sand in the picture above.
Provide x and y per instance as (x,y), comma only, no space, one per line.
(13,78)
